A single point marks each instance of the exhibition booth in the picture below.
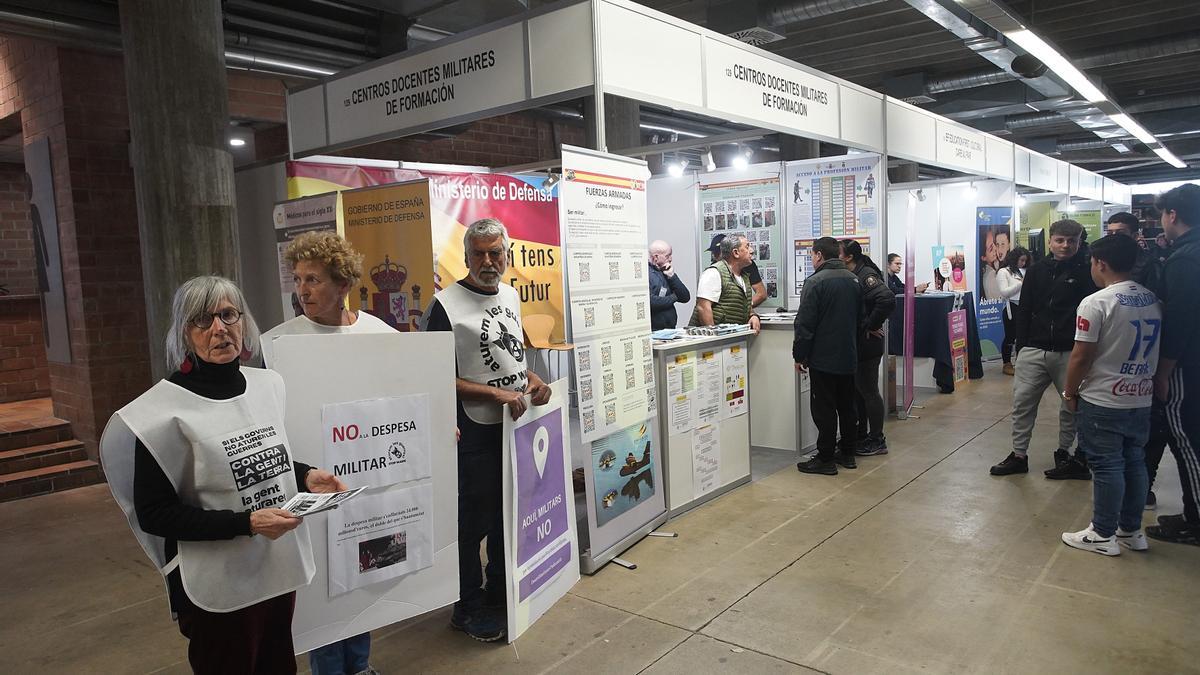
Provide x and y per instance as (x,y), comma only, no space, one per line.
(647,429)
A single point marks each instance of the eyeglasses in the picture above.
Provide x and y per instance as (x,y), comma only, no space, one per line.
(228,316)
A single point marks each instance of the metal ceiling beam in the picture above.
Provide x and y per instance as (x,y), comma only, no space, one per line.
(786,13)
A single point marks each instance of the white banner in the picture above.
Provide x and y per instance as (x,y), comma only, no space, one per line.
(603,213)
(377,442)
(961,147)
(539,519)
(375,537)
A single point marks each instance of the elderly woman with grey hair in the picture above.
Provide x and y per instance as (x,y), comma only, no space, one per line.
(200,465)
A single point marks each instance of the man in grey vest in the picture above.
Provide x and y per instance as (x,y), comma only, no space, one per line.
(724,293)
(485,317)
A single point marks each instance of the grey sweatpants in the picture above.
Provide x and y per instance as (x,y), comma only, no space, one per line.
(1037,369)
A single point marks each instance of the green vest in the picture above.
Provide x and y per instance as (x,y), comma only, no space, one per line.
(734,305)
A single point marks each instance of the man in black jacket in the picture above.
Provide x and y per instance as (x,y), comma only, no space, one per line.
(1147,270)
(878,303)
(666,289)
(826,349)
(1045,326)
(1177,380)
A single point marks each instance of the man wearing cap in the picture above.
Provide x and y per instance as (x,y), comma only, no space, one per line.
(751,271)
(723,292)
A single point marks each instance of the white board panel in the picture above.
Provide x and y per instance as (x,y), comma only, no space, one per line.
(1043,171)
(1063,184)
(862,118)
(961,147)
(320,369)
(560,50)
(910,133)
(306,118)
(999,157)
(744,84)
(1021,165)
(643,55)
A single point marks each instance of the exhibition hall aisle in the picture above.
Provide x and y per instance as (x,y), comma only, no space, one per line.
(917,562)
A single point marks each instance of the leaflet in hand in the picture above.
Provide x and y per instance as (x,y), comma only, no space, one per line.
(308,503)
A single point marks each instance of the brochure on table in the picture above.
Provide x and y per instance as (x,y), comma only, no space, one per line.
(539,519)
(603,215)
(838,197)
(390,552)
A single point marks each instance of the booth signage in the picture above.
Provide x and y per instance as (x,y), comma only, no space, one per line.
(293,218)
(462,78)
(961,147)
(1043,172)
(757,88)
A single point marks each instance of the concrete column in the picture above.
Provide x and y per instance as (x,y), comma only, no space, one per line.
(621,123)
(183,172)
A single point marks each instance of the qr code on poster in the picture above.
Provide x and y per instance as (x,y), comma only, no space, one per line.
(647,373)
(647,348)
(589,317)
(616,312)
(585,271)
(606,356)
(609,386)
(630,378)
(637,270)
(628,351)
(610,413)
(641,311)
(768,202)
(585,359)
(589,422)
(585,390)
(614,270)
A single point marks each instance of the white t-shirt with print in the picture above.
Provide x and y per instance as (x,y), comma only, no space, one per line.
(709,286)
(1125,321)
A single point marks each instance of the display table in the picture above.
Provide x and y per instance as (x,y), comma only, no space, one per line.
(780,416)
(931,335)
(689,479)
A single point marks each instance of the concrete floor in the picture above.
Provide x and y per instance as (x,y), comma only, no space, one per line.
(916,562)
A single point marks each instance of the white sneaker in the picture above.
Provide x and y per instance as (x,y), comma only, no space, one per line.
(1088,540)
(1134,541)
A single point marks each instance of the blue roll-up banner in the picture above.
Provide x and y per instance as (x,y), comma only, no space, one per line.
(994,226)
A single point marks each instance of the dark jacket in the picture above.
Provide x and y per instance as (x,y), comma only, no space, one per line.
(878,303)
(1050,297)
(895,284)
(664,293)
(1148,271)
(828,320)
(1181,309)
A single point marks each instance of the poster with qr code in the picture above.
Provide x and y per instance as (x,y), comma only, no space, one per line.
(747,208)
(603,211)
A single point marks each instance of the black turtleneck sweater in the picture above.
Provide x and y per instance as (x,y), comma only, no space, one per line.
(159,509)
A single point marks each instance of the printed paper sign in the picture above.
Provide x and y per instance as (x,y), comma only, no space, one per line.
(308,503)
(377,442)
(541,485)
(380,536)
(706,459)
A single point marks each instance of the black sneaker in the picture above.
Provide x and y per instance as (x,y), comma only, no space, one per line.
(815,465)
(1074,469)
(1061,457)
(1011,464)
(1178,532)
(1172,520)
(477,626)
(1151,501)
(872,447)
(845,460)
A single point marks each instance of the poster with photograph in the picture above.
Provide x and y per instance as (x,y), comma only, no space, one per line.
(623,471)
(379,536)
(293,218)
(994,227)
(541,543)
(748,208)
(735,366)
(377,442)
(950,268)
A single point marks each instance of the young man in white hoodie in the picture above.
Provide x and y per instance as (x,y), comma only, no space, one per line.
(1110,382)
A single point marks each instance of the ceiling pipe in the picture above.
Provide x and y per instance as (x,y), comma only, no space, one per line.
(796,12)
(292,17)
(350,46)
(244,41)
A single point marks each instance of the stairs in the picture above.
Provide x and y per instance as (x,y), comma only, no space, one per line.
(39,455)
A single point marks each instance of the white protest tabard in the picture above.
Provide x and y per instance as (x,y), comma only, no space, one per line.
(377,442)
(602,204)
(768,92)
(380,536)
(541,543)
(706,459)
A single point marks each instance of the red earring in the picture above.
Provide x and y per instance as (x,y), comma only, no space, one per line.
(186,366)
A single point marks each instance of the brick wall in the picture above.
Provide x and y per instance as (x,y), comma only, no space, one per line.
(18,272)
(23,371)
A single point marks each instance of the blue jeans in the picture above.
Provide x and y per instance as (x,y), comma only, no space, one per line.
(347,657)
(1113,440)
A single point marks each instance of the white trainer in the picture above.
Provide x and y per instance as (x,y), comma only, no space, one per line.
(1134,541)
(1088,540)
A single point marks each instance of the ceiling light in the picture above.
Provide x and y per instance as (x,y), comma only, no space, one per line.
(741,158)
(676,168)
(1058,63)
(1071,208)
(710,164)
(237,142)
(551,181)
(1170,158)
(1139,132)
(1020,200)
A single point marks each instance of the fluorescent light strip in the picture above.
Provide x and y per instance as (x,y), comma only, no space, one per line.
(1170,158)
(1058,63)
(1139,132)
